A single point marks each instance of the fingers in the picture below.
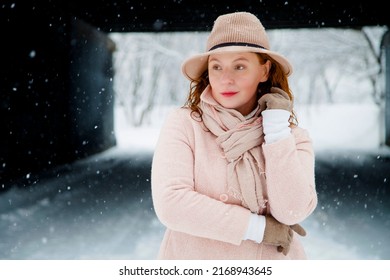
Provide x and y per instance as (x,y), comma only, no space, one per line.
(270,101)
(266,101)
(276,99)
(280,235)
(290,235)
(263,101)
(284,249)
(298,229)
(280,91)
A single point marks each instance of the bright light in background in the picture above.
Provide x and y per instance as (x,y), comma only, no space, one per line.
(337,83)
(100,207)
(338,89)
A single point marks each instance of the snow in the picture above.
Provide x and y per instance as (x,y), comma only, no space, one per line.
(101,208)
(337,126)
(343,126)
(339,139)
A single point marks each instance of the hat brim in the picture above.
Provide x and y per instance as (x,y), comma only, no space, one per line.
(195,65)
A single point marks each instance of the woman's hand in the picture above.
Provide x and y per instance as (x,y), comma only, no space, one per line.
(279,234)
(277,99)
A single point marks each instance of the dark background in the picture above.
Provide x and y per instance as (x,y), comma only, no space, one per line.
(56,109)
(56,64)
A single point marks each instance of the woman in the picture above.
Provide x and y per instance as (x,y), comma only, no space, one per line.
(233,173)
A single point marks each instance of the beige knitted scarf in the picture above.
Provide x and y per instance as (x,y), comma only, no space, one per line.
(240,139)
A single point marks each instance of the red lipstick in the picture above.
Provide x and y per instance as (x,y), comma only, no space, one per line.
(229,93)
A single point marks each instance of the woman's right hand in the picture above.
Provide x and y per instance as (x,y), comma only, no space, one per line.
(280,235)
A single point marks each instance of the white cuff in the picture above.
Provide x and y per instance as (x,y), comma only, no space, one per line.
(256,228)
(276,125)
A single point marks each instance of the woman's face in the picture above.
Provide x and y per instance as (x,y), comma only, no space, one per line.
(234,78)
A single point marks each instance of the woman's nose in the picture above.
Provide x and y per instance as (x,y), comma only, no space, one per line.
(226,76)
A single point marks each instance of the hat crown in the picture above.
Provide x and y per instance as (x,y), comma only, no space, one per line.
(234,32)
(239,27)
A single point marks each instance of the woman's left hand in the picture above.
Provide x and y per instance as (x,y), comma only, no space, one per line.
(276,99)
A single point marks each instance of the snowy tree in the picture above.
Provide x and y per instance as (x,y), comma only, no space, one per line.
(326,61)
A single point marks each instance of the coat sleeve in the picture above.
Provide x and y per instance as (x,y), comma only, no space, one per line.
(176,202)
(290,176)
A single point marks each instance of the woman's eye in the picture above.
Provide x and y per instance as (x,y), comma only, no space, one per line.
(240,67)
(216,67)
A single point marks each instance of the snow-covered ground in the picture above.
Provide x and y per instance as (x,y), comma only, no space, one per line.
(100,207)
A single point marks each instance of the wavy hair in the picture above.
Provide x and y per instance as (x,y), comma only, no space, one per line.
(276,78)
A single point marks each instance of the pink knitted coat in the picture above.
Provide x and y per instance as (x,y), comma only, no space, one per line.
(191,199)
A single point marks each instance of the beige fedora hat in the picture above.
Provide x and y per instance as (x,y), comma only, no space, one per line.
(234,32)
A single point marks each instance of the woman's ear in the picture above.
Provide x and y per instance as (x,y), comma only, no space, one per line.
(267,68)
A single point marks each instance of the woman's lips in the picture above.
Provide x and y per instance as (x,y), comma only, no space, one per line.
(229,93)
